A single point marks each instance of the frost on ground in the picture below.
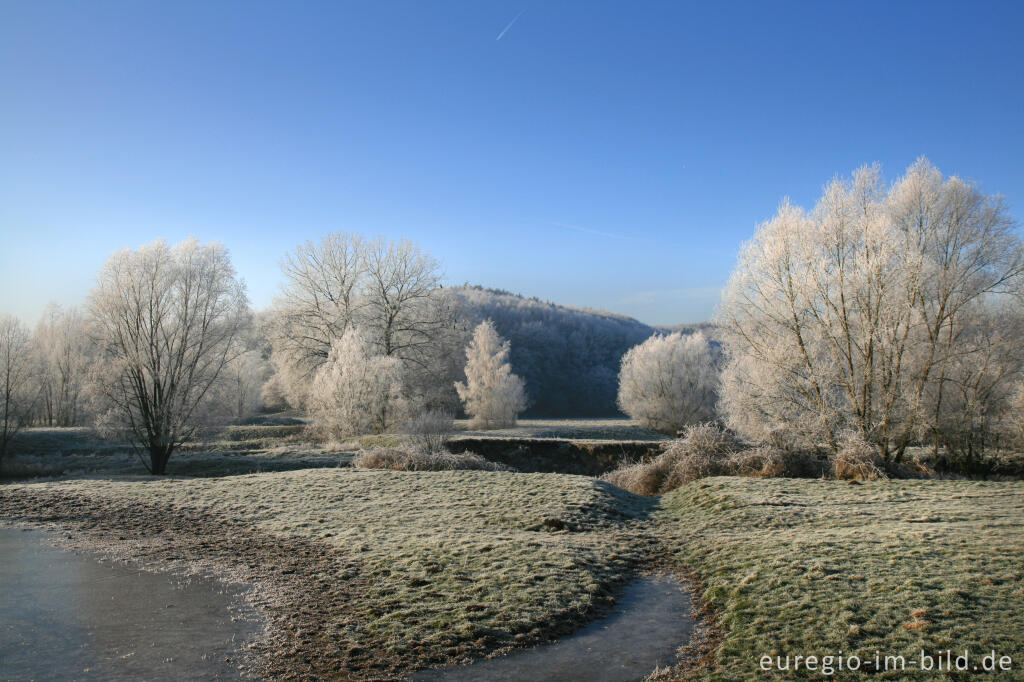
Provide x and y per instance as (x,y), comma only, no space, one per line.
(817,567)
(406,568)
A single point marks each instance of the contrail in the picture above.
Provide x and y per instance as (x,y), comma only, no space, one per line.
(500,35)
(577,228)
(612,235)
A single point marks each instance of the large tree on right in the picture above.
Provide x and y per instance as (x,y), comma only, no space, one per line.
(888,313)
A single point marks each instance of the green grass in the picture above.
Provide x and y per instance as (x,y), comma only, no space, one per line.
(816,567)
(447,556)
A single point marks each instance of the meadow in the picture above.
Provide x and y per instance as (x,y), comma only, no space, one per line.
(796,567)
(371,574)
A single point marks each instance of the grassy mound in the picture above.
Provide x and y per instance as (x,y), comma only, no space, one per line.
(818,567)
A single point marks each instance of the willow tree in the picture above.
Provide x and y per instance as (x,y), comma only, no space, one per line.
(390,290)
(882,311)
(168,321)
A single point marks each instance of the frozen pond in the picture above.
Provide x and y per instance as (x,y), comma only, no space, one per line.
(67,615)
(649,622)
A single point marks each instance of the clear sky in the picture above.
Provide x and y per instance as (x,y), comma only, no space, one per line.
(612,155)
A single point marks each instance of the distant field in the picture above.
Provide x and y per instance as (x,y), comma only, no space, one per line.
(233,450)
(567,429)
(815,567)
(271,447)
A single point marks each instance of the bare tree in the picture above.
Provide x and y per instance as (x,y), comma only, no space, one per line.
(17,397)
(400,310)
(850,317)
(669,382)
(390,290)
(493,396)
(242,384)
(429,431)
(168,321)
(62,347)
(356,391)
(316,307)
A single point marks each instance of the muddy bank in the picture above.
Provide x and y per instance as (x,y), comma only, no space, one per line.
(544,455)
(69,615)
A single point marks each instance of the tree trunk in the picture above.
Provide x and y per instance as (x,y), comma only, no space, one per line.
(158,456)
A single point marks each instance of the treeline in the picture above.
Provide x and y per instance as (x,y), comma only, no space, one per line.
(883,318)
(362,338)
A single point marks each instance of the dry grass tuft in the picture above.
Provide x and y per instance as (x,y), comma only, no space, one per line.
(703,451)
(768,461)
(397,459)
(857,460)
(919,622)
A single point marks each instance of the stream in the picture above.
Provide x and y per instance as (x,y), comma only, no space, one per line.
(648,623)
(70,615)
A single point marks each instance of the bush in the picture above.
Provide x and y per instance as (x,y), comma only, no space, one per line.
(857,460)
(778,456)
(429,431)
(398,459)
(356,391)
(669,382)
(708,450)
(639,477)
(704,450)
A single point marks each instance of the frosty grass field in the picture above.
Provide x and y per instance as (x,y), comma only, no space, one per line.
(414,569)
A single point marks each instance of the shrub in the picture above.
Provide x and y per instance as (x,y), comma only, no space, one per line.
(703,451)
(355,391)
(669,382)
(398,459)
(857,460)
(429,431)
(778,456)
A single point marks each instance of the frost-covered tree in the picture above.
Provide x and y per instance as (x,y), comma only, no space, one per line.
(669,382)
(356,391)
(241,387)
(316,307)
(390,290)
(492,395)
(63,352)
(168,321)
(16,390)
(569,357)
(864,314)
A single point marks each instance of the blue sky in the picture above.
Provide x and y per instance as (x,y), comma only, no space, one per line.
(611,155)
